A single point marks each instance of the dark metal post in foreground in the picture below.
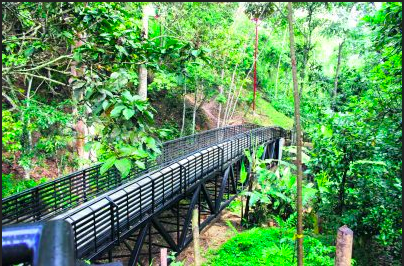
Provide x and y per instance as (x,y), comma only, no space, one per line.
(46,243)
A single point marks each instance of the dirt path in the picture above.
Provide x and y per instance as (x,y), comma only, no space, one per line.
(214,235)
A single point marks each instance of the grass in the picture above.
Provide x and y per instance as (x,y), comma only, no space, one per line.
(269,246)
(266,115)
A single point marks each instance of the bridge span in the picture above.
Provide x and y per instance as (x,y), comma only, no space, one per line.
(131,219)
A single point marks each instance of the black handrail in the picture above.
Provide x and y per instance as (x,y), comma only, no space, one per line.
(56,196)
(138,200)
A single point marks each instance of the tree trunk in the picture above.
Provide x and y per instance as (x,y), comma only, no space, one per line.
(184,108)
(306,51)
(250,189)
(303,72)
(299,140)
(279,63)
(337,72)
(235,102)
(226,110)
(195,234)
(142,89)
(27,134)
(341,194)
(220,104)
(195,108)
(80,127)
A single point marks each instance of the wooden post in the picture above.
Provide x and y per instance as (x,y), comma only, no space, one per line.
(344,246)
(195,233)
(163,257)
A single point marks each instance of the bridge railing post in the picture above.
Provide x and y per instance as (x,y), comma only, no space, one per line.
(36,204)
(152,186)
(113,205)
(221,159)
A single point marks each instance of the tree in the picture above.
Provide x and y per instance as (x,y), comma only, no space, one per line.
(299,208)
(142,90)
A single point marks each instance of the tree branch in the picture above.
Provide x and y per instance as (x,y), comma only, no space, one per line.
(8,69)
(11,101)
(42,77)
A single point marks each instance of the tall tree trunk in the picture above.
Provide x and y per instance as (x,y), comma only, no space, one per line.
(303,72)
(184,108)
(235,102)
(337,72)
(226,110)
(306,51)
(142,89)
(195,108)
(81,126)
(299,140)
(27,134)
(220,104)
(279,63)
(195,234)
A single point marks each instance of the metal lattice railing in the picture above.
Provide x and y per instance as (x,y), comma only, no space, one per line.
(102,222)
(59,195)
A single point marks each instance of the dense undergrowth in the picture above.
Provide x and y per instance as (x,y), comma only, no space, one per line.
(270,246)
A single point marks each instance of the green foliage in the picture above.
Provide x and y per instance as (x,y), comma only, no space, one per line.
(270,246)
(356,158)
(11,186)
(174,262)
(275,191)
(11,132)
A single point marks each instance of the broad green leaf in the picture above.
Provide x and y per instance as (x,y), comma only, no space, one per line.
(105,104)
(121,49)
(140,153)
(117,110)
(248,154)
(327,132)
(67,34)
(127,151)
(195,53)
(286,172)
(243,173)
(77,56)
(140,105)
(126,94)
(124,166)
(260,151)
(78,85)
(29,51)
(87,146)
(128,113)
(107,164)
(151,142)
(140,164)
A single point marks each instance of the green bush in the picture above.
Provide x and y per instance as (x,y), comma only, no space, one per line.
(269,246)
(11,186)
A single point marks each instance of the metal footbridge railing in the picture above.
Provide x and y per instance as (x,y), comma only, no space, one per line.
(104,210)
(59,195)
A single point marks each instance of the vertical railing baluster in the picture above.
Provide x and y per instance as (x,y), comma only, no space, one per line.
(84,185)
(152,195)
